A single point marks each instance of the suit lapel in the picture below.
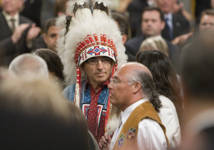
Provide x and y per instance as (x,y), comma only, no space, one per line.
(5,29)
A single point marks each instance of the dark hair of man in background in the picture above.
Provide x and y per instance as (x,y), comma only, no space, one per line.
(49,23)
(209,12)
(122,22)
(154,9)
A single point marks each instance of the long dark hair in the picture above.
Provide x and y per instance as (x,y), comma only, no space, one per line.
(53,62)
(164,75)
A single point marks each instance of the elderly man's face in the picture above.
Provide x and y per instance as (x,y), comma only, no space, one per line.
(151,23)
(206,23)
(98,69)
(12,6)
(120,88)
(166,5)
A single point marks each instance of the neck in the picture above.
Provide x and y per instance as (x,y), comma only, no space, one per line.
(95,86)
(132,101)
(12,14)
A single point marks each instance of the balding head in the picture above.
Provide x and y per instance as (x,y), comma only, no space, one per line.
(132,82)
(28,64)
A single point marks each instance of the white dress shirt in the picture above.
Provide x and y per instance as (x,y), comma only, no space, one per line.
(150,134)
(169,118)
(8,19)
(169,20)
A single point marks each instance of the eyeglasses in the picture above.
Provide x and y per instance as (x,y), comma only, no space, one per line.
(94,61)
(114,81)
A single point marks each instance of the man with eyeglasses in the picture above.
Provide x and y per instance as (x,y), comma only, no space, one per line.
(132,90)
(93,53)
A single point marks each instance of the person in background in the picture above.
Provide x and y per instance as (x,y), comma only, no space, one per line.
(176,24)
(168,89)
(27,64)
(197,80)
(54,64)
(157,43)
(152,25)
(123,25)
(34,115)
(17,32)
(50,36)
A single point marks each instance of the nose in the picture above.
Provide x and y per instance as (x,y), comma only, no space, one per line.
(100,65)
(110,86)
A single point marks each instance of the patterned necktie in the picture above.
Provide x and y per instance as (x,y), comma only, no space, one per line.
(92,115)
(13,24)
(169,29)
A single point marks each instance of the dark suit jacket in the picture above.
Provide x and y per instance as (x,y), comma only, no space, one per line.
(180,26)
(133,45)
(8,48)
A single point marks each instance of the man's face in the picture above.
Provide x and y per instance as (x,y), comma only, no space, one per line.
(166,6)
(151,23)
(98,69)
(120,89)
(206,23)
(51,37)
(12,6)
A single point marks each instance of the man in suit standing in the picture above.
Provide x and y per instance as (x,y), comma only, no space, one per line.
(176,24)
(17,32)
(152,25)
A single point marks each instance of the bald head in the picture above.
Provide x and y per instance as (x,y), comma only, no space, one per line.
(132,82)
(132,69)
(28,64)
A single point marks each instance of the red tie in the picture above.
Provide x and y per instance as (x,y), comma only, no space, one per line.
(92,115)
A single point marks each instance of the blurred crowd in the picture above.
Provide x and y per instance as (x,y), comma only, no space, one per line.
(133,74)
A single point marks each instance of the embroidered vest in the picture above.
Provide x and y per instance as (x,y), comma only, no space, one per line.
(127,138)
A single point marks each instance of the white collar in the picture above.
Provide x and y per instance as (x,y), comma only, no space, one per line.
(168,16)
(8,17)
(127,112)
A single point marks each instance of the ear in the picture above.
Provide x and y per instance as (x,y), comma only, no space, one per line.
(162,25)
(136,87)
(45,38)
(124,38)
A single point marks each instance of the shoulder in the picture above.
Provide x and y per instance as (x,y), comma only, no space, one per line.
(166,102)
(136,39)
(179,17)
(24,19)
(69,92)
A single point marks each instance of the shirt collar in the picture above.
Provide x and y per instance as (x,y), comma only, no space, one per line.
(126,113)
(8,17)
(87,83)
(168,16)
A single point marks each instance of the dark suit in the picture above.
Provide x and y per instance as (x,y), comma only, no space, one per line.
(133,45)
(8,48)
(180,26)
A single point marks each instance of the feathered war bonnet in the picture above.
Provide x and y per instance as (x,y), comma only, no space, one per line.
(85,34)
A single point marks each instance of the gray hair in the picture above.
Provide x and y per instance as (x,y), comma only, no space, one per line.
(147,85)
(28,64)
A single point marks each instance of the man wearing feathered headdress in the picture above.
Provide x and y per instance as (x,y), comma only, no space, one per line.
(91,49)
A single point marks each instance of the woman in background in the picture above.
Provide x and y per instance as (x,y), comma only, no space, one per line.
(168,88)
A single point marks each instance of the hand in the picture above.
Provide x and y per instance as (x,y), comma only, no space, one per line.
(105,141)
(181,39)
(33,33)
(177,7)
(18,32)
